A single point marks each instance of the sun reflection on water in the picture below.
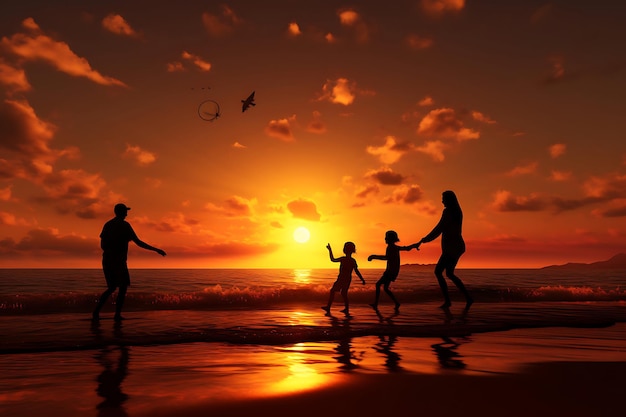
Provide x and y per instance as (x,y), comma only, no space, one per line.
(302,276)
(300,374)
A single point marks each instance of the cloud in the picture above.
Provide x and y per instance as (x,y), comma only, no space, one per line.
(353,20)
(597,190)
(558,72)
(281,129)
(293,30)
(304,209)
(614,212)
(221,24)
(14,79)
(476,115)
(406,194)
(568,204)
(348,17)
(36,46)
(229,250)
(5,193)
(175,66)
(367,190)
(438,8)
(140,156)
(316,125)
(529,168)
(277,225)
(607,187)
(560,175)
(27,138)
(339,91)
(197,61)
(506,201)
(418,43)
(426,101)
(445,129)
(385,176)
(444,124)
(176,222)
(557,150)
(79,192)
(116,24)
(10,219)
(234,206)
(22,131)
(238,145)
(391,151)
(434,149)
(49,242)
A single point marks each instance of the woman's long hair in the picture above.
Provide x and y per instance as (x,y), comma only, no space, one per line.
(450,201)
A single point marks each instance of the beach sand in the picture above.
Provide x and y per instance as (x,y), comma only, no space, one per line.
(548,389)
(559,371)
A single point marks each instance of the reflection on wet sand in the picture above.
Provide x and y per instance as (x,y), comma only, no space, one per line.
(447,354)
(346,355)
(110,381)
(113,360)
(385,345)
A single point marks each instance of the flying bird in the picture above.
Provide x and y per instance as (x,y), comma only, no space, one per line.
(248,102)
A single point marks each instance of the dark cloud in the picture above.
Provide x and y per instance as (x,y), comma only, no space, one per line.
(48,242)
(614,212)
(304,209)
(506,201)
(229,249)
(386,176)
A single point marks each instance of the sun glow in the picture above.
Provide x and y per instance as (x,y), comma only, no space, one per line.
(301,235)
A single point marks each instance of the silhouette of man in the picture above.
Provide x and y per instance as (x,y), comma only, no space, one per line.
(114,239)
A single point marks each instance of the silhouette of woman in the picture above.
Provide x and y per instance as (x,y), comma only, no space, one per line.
(452,246)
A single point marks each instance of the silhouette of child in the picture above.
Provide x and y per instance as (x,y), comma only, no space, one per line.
(347,264)
(392,256)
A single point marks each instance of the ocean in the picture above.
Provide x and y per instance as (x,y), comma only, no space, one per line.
(46,309)
(208,341)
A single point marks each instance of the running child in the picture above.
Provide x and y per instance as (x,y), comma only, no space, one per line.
(347,264)
(392,256)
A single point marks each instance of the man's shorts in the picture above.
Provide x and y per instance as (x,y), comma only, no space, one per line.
(116,274)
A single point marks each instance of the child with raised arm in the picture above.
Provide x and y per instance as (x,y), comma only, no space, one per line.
(392,256)
(347,264)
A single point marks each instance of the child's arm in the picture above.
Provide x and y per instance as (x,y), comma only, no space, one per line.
(379,257)
(358,273)
(415,246)
(330,253)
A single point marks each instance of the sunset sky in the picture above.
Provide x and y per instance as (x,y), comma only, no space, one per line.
(366,111)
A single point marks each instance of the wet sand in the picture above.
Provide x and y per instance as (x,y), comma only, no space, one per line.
(548,389)
(562,371)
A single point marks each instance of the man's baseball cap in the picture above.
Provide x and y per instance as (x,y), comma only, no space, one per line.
(121,208)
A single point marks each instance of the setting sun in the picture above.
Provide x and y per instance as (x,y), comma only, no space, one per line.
(301,235)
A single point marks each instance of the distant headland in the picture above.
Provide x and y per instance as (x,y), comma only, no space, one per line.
(616,262)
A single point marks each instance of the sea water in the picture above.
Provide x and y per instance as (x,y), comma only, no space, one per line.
(49,309)
(212,335)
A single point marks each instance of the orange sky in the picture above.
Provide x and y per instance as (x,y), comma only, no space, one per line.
(364,115)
